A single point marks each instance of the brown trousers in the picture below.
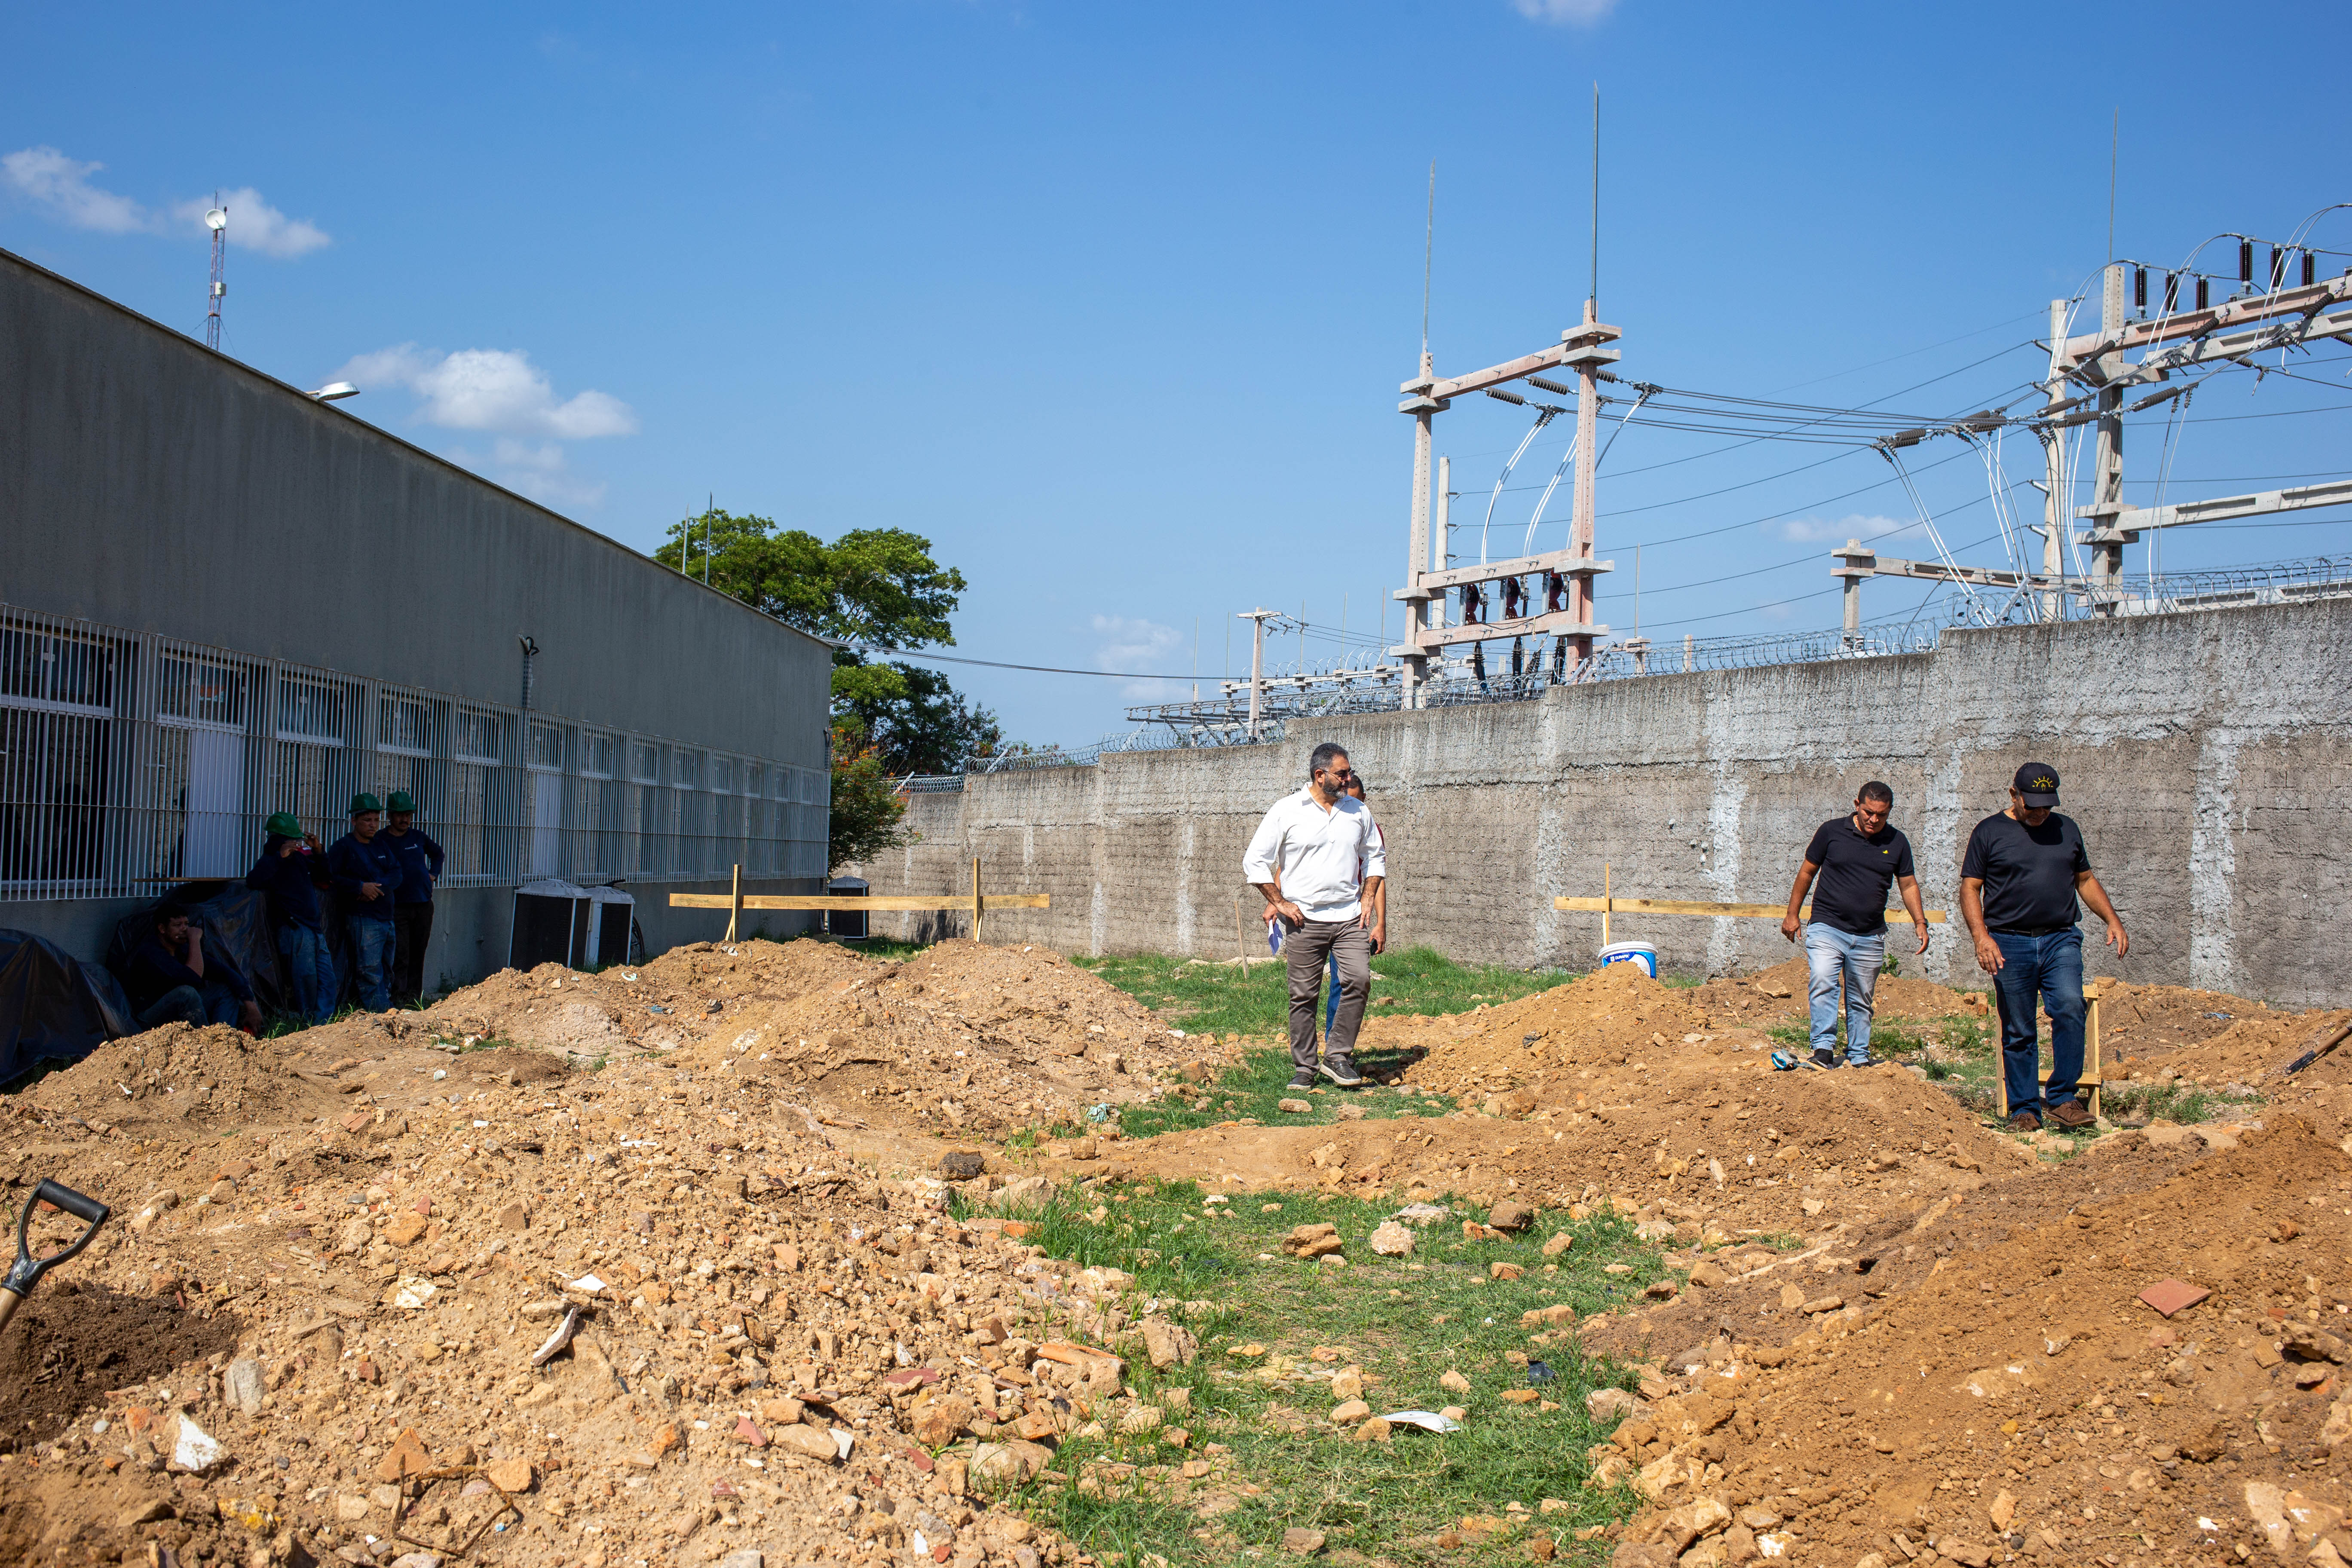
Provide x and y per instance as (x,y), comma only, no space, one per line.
(1306,950)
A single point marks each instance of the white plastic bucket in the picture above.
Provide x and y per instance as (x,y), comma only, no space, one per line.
(1640,952)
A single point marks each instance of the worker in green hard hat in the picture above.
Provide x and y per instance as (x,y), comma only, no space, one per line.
(291,870)
(366,874)
(412,906)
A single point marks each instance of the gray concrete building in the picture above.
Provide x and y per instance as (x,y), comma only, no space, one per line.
(220,599)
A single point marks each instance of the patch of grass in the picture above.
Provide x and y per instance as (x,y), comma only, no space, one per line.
(1404,1322)
(1253,1084)
(1214,999)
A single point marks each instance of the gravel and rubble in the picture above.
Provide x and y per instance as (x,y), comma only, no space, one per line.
(311,1331)
(484,1274)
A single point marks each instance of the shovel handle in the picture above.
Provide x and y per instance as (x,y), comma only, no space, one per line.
(27,1270)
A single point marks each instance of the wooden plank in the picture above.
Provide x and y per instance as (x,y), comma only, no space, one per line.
(890,901)
(1679,907)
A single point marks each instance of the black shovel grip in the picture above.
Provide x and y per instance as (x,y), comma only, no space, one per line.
(27,1270)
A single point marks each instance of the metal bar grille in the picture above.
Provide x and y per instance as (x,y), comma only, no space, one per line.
(130,761)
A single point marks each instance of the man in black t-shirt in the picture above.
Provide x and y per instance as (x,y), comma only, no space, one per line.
(2019,881)
(1856,858)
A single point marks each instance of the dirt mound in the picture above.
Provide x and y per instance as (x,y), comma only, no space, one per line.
(1705,1141)
(2028,1394)
(754,1305)
(1613,1010)
(681,997)
(965,1036)
(214,1076)
(1758,999)
(2154,1020)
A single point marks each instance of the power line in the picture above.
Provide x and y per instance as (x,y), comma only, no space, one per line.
(998,664)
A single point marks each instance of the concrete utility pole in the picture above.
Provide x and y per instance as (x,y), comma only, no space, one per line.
(1588,421)
(2055,518)
(1257,619)
(2107,465)
(1416,611)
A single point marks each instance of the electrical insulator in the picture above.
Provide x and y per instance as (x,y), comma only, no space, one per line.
(2139,288)
(2201,292)
(1551,386)
(2278,267)
(2310,268)
(2245,261)
(2172,292)
(1498,393)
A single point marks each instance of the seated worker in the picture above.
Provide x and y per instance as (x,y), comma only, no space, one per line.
(291,870)
(169,978)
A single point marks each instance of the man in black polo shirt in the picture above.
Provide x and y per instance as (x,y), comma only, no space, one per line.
(1857,858)
(2019,881)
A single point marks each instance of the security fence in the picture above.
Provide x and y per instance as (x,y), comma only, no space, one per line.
(129,762)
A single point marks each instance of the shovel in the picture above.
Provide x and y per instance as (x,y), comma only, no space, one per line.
(27,1272)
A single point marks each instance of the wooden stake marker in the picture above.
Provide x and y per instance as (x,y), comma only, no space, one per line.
(978,903)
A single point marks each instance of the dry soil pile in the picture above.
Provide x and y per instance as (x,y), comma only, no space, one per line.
(2022,1397)
(771,1342)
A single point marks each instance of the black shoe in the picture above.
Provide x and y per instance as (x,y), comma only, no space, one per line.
(1303,1079)
(1822,1057)
(1864,1062)
(1342,1070)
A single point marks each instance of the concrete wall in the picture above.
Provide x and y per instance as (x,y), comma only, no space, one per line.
(2208,757)
(149,484)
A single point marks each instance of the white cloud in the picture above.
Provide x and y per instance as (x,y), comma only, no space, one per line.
(1130,643)
(1564,12)
(494,390)
(61,186)
(254,223)
(47,178)
(1837,530)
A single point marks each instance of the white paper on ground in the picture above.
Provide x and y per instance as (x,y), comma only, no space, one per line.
(1427,1420)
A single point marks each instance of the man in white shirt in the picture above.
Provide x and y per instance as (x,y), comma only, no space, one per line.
(1318,859)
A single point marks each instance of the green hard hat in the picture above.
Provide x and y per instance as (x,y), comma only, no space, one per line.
(284,825)
(402,801)
(360,803)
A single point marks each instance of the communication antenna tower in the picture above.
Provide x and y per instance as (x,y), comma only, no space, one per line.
(216,219)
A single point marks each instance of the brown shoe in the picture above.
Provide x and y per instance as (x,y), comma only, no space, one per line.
(2071,1114)
(2023,1121)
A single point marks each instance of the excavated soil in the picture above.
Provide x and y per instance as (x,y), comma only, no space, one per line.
(1773,996)
(345,1247)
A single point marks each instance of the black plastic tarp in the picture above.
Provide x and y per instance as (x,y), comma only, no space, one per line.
(53,1006)
(235,923)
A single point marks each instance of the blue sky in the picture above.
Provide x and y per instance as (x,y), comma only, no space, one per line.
(1111,302)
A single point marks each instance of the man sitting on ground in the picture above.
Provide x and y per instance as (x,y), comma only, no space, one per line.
(169,978)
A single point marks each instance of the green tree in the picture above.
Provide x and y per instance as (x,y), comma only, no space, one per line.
(913,719)
(868,812)
(878,588)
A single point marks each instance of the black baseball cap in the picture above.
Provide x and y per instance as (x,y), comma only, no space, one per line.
(2038,782)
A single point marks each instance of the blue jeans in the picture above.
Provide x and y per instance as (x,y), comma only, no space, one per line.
(1331,1008)
(372,950)
(2049,968)
(1830,955)
(309,973)
(186,1004)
